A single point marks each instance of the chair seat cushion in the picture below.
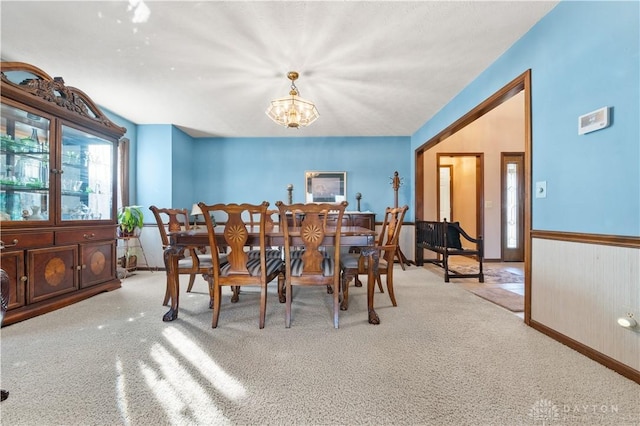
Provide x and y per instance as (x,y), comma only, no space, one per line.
(328,263)
(205,261)
(271,254)
(350,261)
(222,258)
(296,254)
(185,263)
(253,266)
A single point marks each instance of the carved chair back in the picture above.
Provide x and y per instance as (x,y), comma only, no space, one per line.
(306,260)
(390,231)
(170,220)
(353,264)
(174,220)
(241,223)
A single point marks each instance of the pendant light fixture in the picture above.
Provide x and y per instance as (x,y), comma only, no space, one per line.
(292,111)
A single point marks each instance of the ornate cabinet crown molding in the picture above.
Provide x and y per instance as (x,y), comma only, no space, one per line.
(55,92)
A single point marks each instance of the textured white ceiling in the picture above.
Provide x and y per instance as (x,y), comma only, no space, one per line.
(373,68)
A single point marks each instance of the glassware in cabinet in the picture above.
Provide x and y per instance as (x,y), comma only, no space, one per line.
(86,181)
(24,165)
(49,162)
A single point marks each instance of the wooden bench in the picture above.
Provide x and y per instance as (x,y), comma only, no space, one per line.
(443,238)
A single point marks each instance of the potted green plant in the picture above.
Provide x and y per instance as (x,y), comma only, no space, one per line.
(130,220)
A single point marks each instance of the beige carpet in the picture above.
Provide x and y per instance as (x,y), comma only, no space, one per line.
(442,357)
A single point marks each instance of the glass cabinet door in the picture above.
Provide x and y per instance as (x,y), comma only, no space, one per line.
(87,176)
(24,165)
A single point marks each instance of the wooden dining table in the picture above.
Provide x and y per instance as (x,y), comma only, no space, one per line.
(350,236)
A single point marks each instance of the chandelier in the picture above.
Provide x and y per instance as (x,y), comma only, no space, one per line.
(292,111)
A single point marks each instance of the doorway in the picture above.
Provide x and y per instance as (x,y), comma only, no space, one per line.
(460,184)
(426,207)
(512,223)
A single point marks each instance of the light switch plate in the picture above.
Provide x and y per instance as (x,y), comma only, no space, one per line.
(541,189)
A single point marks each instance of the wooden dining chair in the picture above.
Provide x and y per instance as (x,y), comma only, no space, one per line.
(254,220)
(239,269)
(272,252)
(353,264)
(191,262)
(311,266)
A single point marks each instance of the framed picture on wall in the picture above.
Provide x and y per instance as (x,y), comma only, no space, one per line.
(325,187)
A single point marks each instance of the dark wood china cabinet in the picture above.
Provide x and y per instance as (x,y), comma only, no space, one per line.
(58,160)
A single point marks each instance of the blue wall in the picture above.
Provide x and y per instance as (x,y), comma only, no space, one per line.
(164,171)
(175,170)
(256,169)
(183,180)
(583,56)
(154,177)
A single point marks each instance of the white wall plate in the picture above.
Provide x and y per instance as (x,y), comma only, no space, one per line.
(595,120)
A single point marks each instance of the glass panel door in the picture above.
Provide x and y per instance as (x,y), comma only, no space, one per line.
(24,165)
(446,185)
(513,207)
(87,178)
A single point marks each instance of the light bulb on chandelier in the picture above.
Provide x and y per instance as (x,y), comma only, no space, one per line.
(292,111)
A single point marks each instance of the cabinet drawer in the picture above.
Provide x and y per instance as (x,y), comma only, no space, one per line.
(85,235)
(25,240)
(332,220)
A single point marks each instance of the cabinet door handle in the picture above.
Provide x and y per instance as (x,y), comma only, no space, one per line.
(89,236)
(79,267)
(23,278)
(13,244)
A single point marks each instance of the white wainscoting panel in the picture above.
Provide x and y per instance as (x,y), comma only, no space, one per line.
(150,239)
(580,290)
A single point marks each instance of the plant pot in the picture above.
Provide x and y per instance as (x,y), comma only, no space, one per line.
(130,262)
(124,233)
